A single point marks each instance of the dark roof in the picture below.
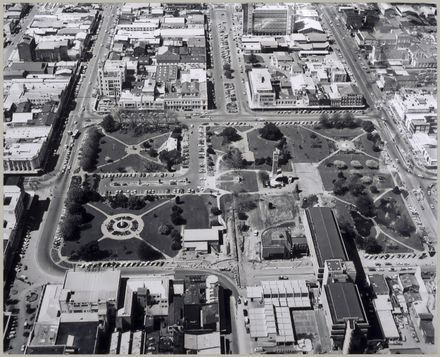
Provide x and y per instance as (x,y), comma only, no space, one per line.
(325,235)
(344,302)
(428,328)
(192,316)
(406,351)
(379,284)
(84,335)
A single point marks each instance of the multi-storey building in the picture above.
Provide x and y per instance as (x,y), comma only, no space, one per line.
(267,19)
(111,76)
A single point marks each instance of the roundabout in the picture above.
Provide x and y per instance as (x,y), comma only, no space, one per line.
(122,226)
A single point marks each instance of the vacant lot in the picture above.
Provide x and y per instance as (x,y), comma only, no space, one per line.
(247,181)
(133,163)
(110,150)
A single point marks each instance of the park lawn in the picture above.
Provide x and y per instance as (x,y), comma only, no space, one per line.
(367,146)
(90,232)
(390,246)
(263,148)
(210,201)
(112,211)
(129,137)
(306,146)
(110,148)
(130,249)
(329,172)
(133,163)
(217,143)
(412,240)
(194,211)
(249,181)
(339,134)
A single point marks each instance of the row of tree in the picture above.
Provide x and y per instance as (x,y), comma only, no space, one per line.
(90,151)
(347,120)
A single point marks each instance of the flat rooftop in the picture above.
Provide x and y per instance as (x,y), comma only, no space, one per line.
(344,302)
(325,235)
(84,335)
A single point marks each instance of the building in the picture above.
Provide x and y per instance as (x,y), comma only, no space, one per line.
(260,88)
(343,310)
(202,343)
(143,296)
(202,240)
(26,49)
(13,211)
(267,19)
(271,323)
(111,76)
(74,316)
(324,237)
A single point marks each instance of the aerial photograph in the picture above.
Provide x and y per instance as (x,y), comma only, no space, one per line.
(219,178)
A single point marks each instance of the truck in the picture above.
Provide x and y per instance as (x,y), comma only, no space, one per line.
(75,134)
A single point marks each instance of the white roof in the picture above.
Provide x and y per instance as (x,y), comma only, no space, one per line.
(387,324)
(201,235)
(202,342)
(260,79)
(254,292)
(21,117)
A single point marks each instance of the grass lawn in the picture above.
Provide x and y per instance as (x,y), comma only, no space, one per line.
(217,143)
(340,134)
(90,232)
(263,148)
(109,148)
(329,172)
(367,146)
(386,218)
(390,246)
(131,249)
(248,181)
(133,163)
(194,211)
(130,138)
(112,211)
(306,146)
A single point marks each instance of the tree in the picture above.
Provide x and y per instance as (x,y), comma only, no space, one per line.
(365,205)
(216,211)
(339,187)
(230,134)
(271,132)
(69,229)
(164,229)
(76,195)
(170,158)
(135,202)
(324,120)
(396,190)
(355,187)
(235,158)
(404,227)
(177,219)
(374,189)
(74,208)
(242,216)
(368,126)
(91,251)
(210,150)
(227,66)
(109,124)
(372,246)
(152,152)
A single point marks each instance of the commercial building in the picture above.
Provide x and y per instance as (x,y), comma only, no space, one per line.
(26,49)
(260,88)
(74,316)
(202,343)
(143,295)
(343,310)
(14,199)
(324,237)
(268,19)
(111,76)
(202,240)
